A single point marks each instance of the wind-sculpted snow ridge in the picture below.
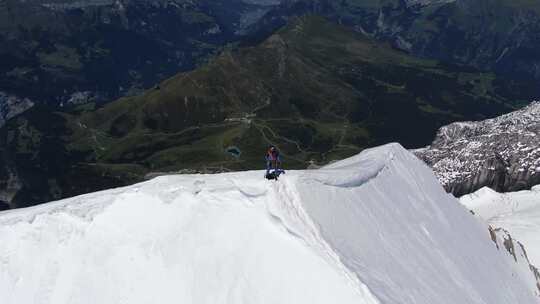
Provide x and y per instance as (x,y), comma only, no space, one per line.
(376,228)
(502,153)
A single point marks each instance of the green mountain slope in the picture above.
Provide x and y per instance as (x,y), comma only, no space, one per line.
(315,89)
(502,36)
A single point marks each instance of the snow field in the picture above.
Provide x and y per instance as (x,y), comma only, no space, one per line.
(516,212)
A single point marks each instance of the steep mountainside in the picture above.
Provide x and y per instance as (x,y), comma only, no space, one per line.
(375,228)
(515,215)
(316,90)
(69,52)
(498,35)
(516,212)
(502,153)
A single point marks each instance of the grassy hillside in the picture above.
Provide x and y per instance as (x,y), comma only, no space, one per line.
(501,36)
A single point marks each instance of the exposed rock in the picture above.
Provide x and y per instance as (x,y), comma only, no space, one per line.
(502,153)
(10,185)
(11,106)
(78,98)
(503,239)
(426,2)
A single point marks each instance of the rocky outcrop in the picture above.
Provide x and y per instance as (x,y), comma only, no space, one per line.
(11,106)
(10,185)
(502,153)
(426,2)
(504,241)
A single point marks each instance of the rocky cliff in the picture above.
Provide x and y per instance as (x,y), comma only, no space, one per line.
(502,153)
(11,106)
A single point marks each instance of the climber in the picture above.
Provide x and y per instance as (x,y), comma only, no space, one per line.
(273,163)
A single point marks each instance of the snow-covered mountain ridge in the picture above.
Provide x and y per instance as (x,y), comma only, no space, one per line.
(502,153)
(375,228)
(515,217)
(516,212)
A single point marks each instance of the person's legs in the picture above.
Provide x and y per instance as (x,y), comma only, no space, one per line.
(268,166)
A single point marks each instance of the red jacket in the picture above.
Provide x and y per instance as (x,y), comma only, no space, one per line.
(272,155)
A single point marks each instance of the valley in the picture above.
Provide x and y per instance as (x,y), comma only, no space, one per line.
(315,89)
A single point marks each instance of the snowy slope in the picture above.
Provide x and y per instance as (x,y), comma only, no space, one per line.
(375,228)
(516,212)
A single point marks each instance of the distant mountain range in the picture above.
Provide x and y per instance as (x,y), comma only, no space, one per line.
(63,52)
(59,52)
(497,35)
(317,90)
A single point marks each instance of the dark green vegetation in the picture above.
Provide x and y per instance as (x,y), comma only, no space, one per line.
(315,89)
(102,49)
(502,36)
